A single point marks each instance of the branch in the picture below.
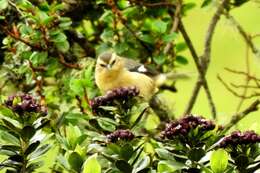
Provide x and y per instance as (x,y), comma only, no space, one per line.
(235,93)
(242,32)
(210,32)
(239,116)
(69,65)
(157,4)
(201,80)
(176,21)
(242,73)
(17,37)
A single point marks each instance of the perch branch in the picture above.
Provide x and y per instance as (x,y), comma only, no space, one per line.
(239,116)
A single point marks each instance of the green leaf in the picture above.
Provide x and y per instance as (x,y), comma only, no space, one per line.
(32,147)
(7,112)
(127,151)
(12,148)
(40,151)
(92,165)
(164,154)
(121,47)
(141,164)
(169,166)
(169,37)
(188,6)
(58,36)
(63,46)
(76,86)
(75,161)
(107,34)
(3,4)
(181,60)
(34,166)
(9,138)
(10,126)
(106,124)
(196,154)
(219,161)
(131,12)
(123,166)
(160,59)
(65,22)
(159,26)
(148,38)
(180,47)
(73,134)
(206,3)
(38,58)
(27,133)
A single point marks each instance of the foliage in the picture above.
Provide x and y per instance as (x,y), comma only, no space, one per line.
(48,50)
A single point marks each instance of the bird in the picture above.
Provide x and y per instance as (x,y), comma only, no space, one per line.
(113,71)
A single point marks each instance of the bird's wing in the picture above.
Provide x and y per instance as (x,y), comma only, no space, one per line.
(134,66)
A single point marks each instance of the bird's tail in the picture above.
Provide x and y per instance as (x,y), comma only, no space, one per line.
(161,79)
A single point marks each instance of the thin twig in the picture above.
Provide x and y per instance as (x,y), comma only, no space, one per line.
(39,83)
(239,116)
(17,37)
(247,80)
(234,92)
(242,73)
(242,32)
(244,86)
(176,20)
(157,4)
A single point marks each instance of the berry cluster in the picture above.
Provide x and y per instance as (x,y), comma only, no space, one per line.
(24,103)
(126,135)
(184,125)
(123,93)
(238,138)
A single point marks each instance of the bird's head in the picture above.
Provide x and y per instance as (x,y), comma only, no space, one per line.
(109,62)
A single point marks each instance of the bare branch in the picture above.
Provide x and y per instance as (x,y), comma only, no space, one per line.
(242,32)
(234,92)
(208,40)
(242,73)
(175,26)
(239,116)
(201,81)
(66,64)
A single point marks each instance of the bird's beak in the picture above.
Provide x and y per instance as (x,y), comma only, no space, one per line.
(109,66)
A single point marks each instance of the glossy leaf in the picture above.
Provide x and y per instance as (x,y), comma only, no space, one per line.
(92,165)
(75,161)
(219,161)
(123,166)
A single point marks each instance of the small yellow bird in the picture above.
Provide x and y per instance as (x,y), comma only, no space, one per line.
(113,71)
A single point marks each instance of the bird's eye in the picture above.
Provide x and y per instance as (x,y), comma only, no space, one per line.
(113,62)
(103,65)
